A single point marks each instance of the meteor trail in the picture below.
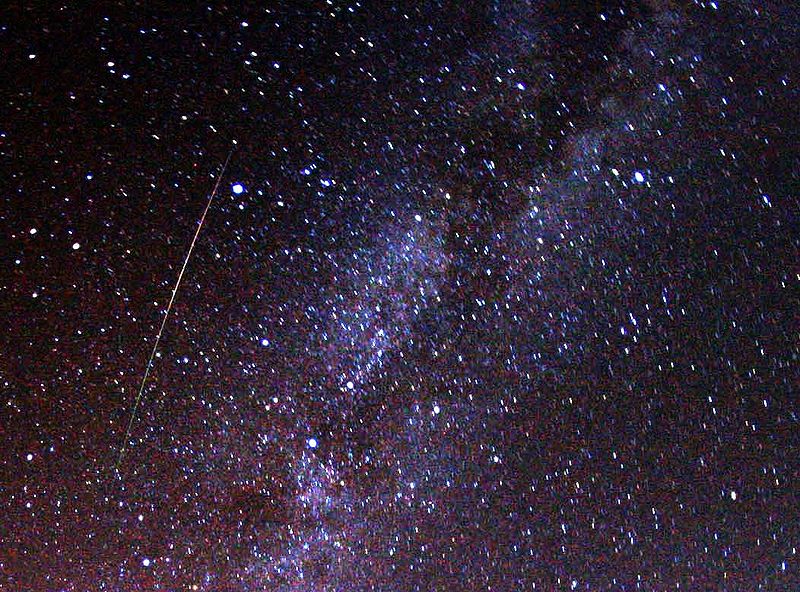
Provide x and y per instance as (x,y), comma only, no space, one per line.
(166,314)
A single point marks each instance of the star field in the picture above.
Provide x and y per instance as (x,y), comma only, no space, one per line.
(493,296)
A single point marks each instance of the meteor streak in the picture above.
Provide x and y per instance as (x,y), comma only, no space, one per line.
(166,314)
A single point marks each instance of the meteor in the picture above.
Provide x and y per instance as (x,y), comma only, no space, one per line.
(149,366)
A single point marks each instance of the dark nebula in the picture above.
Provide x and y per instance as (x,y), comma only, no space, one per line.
(494,296)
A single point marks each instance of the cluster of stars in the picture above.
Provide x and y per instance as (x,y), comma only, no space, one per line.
(495,296)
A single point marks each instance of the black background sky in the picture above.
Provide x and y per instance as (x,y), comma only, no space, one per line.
(509,300)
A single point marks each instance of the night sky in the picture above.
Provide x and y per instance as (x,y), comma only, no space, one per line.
(493,296)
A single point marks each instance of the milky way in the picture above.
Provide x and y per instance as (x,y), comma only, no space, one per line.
(494,296)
